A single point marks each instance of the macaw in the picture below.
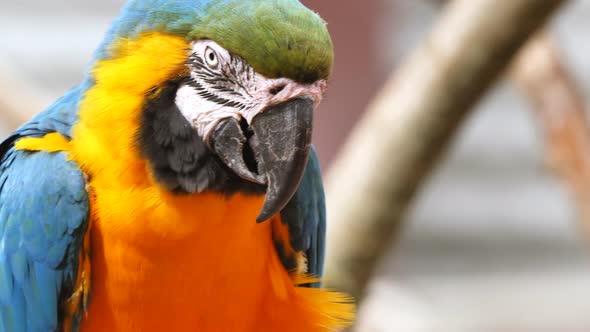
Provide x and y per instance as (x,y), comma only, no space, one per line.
(175,189)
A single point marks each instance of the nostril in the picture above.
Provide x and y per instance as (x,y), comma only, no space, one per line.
(277,89)
(246,128)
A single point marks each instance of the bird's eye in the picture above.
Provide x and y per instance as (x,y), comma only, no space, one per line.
(211,58)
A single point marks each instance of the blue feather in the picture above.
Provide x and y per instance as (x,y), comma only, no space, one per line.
(306,216)
(43,219)
(6,282)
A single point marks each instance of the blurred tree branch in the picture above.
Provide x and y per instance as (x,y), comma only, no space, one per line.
(539,73)
(410,124)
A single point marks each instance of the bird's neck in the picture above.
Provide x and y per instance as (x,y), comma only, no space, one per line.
(105,137)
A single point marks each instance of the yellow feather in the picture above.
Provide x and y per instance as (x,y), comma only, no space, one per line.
(53,142)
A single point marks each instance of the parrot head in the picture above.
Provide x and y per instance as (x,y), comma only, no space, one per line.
(239,118)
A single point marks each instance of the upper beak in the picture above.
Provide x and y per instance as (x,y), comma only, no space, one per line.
(279,143)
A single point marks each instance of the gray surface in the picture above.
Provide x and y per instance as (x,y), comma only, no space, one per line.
(492,244)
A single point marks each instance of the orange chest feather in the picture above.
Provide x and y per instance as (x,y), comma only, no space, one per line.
(197,262)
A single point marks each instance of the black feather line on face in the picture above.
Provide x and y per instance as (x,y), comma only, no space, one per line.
(213,97)
(231,77)
(179,158)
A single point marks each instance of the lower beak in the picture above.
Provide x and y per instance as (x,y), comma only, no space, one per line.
(279,143)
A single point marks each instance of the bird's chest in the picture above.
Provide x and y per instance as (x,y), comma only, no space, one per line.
(176,263)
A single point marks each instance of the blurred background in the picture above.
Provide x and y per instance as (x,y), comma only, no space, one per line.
(493,241)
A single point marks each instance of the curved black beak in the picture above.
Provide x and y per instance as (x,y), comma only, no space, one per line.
(279,141)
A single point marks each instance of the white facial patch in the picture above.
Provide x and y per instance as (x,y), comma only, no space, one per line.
(223,85)
(203,114)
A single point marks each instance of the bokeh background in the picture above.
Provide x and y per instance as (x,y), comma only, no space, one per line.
(493,242)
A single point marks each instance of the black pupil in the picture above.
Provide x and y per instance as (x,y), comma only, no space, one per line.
(211,56)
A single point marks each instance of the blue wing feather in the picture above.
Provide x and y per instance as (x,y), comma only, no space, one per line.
(306,216)
(43,218)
